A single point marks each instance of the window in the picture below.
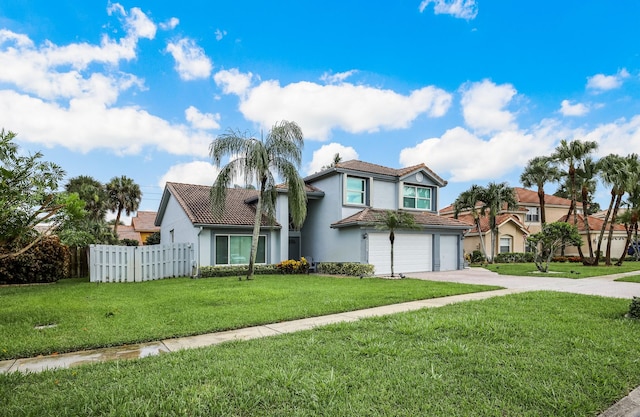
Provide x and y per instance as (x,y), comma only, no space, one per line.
(414,197)
(505,244)
(236,249)
(533,214)
(356,191)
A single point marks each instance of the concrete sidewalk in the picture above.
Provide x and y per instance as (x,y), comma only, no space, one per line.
(629,406)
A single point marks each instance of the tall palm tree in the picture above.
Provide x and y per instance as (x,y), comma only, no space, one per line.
(279,153)
(538,172)
(496,198)
(571,155)
(123,195)
(392,220)
(614,173)
(586,180)
(468,201)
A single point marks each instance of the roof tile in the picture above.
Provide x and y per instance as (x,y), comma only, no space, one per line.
(370,216)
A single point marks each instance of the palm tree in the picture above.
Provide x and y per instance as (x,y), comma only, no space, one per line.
(586,180)
(123,195)
(468,200)
(497,197)
(571,155)
(280,153)
(392,220)
(538,172)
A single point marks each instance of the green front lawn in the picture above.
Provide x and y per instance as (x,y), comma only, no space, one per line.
(563,269)
(531,354)
(76,314)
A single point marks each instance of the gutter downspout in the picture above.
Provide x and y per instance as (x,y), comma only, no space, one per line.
(197,265)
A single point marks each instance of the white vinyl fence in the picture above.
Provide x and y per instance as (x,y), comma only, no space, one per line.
(109,263)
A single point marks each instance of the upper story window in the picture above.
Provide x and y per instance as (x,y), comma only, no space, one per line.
(414,197)
(356,191)
(533,214)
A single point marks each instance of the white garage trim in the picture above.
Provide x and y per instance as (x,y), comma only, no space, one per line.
(412,252)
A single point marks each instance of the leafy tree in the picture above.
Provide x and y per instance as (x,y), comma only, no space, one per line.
(29,197)
(153,239)
(93,193)
(468,201)
(538,172)
(279,153)
(550,239)
(393,220)
(123,195)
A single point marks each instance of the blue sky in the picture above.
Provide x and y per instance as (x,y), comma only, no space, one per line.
(473,89)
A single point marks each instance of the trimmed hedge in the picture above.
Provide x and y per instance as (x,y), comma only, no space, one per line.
(291,266)
(47,261)
(235,270)
(515,257)
(345,268)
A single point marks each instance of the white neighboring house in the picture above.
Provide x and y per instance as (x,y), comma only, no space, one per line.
(343,206)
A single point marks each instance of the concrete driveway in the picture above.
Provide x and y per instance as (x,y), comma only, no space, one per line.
(604,285)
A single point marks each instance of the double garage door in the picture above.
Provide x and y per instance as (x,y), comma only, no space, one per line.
(412,252)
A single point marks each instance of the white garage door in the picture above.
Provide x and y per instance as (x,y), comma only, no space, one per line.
(412,252)
(448,253)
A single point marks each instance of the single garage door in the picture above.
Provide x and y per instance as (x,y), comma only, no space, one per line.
(448,253)
(412,252)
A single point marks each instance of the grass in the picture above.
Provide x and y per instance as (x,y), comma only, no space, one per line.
(635,278)
(531,354)
(563,269)
(88,315)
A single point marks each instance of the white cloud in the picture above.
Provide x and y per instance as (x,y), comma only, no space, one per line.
(462,9)
(337,78)
(621,137)
(86,125)
(205,121)
(483,106)
(466,157)
(324,156)
(220,34)
(196,172)
(568,109)
(191,61)
(233,81)
(170,24)
(140,25)
(319,109)
(601,82)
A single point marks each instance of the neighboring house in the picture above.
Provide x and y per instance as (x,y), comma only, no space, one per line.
(142,226)
(343,205)
(516,225)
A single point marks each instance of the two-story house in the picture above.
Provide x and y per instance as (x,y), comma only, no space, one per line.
(344,204)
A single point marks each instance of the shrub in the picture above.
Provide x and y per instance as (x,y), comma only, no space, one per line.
(345,268)
(292,266)
(235,270)
(514,257)
(129,242)
(634,308)
(477,257)
(46,261)
(153,239)
(573,259)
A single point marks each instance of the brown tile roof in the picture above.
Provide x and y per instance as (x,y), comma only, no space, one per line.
(531,197)
(595,224)
(128,232)
(484,221)
(371,216)
(195,201)
(369,168)
(144,222)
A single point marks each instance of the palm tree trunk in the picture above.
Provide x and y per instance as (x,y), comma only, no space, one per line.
(629,229)
(543,217)
(256,232)
(480,234)
(604,226)
(585,217)
(392,238)
(616,207)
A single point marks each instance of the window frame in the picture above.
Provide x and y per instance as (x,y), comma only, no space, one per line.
(510,247)
(364,192)
(228,254)
(533,215)
(416,198)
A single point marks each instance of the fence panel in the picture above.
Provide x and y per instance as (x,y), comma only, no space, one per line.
(139,263)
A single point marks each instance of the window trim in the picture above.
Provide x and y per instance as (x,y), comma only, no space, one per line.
(229,236)
(431,191)
(500,246)
(365,192)
(532,217)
